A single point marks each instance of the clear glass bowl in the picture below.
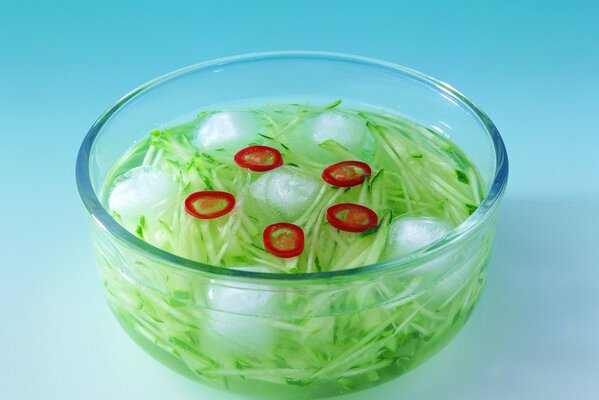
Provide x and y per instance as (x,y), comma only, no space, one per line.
(305,335)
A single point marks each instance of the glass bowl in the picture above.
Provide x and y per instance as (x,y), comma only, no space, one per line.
(303,335)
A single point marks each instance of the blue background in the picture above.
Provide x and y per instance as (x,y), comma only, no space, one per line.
(533,66)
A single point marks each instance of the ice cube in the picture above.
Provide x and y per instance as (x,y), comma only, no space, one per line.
(281,195)
(460,273)
(408,234)
(140,191)
(347,130)
(231,130)
(238,300)
(450,271)
(237,321)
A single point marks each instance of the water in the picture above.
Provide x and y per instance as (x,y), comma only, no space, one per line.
(279,339)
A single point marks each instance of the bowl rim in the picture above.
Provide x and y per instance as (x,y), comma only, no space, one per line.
(483,212)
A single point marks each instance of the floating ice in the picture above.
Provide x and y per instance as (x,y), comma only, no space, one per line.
(407,234)
(238,300)
(236,319)
(347,130)
(140,191)
(231,130)
(282,193)
(460,274)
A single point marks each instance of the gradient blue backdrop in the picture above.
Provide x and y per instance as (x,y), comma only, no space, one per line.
(533,66)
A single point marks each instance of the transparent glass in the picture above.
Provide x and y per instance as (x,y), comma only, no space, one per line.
(284,335)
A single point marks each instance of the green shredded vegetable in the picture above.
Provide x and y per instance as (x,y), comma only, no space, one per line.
(291,339)
(426,175)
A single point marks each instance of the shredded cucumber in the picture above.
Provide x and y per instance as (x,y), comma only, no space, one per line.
(415,172)
(296,339)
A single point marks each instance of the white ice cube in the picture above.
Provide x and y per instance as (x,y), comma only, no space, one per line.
(459,274)
(232,130)
(140,191)
(408,234)
(452,270)
(237,319)
(250,300)
(282,193)
(347,130)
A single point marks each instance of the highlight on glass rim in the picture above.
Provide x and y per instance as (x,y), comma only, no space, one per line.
(298,249)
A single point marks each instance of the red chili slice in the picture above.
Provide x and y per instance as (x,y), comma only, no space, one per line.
(351,217)
(284,240)
(209,204)
(346,173)
(259,158)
